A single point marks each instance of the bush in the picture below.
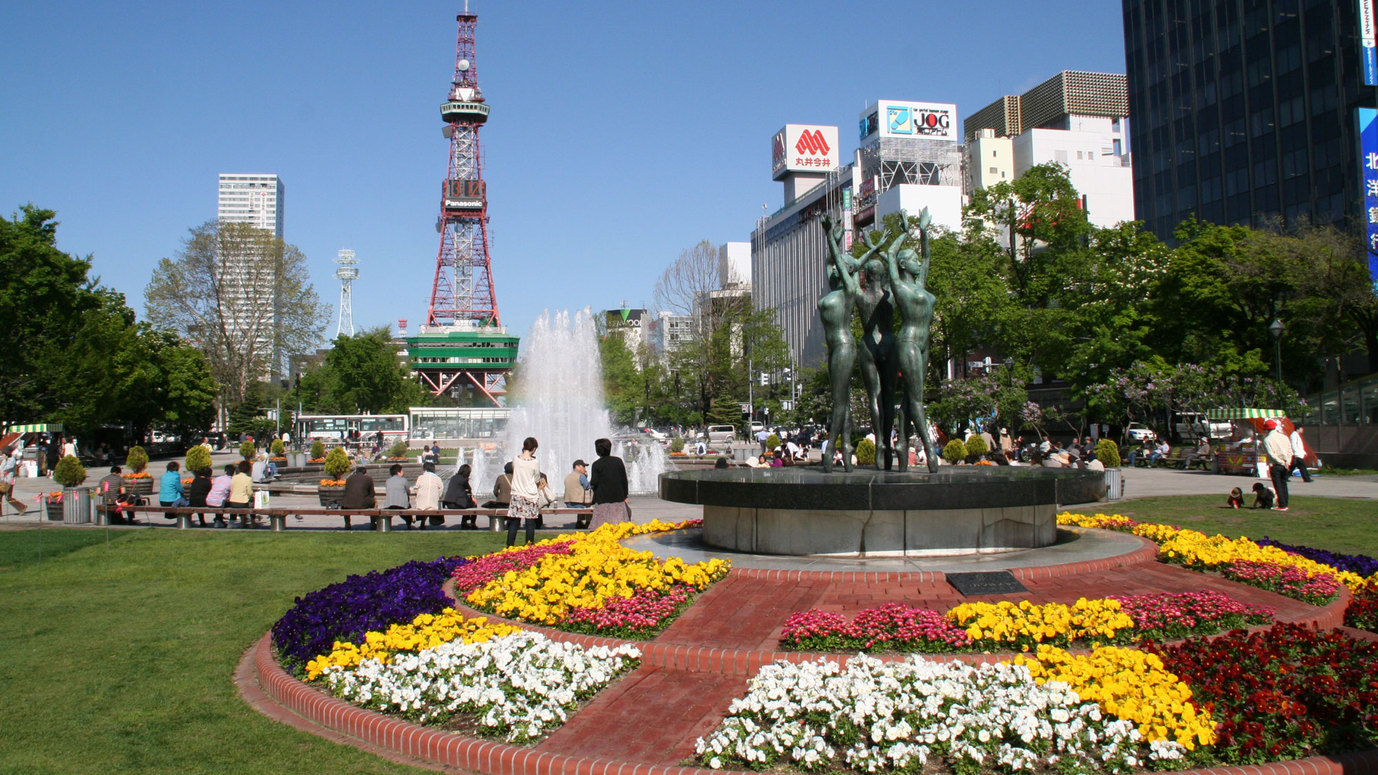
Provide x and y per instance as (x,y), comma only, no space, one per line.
(772,441)
(977,446)
(136,460)
(277,448)
(337,463)
(677,444)
(398,449)
(1107,453)
(69,472)
(198,457)
(955,452)
(246,450)
(317,449)
(865,452)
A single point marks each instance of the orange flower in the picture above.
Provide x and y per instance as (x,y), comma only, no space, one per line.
(332,483)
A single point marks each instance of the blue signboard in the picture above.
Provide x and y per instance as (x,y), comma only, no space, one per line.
(1368,168)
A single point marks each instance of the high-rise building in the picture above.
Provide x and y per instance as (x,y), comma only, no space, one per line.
(250,282)
(252,199)
(1244,110)
(1077,119)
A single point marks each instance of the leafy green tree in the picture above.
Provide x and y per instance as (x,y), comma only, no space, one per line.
(362,373)
(620,378)
(201,295)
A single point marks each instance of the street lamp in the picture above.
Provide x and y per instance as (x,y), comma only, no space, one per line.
(1276,328)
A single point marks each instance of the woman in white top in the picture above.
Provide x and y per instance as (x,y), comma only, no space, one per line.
(524,509)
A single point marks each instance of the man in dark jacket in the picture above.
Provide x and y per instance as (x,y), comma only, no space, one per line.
(358,491)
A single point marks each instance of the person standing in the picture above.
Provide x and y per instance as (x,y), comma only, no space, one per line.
(524,509)
(577,493)
(1298,454)
(397,493)
(429,488)
(761,437)
(9,465)
(1278,449)
(608,480)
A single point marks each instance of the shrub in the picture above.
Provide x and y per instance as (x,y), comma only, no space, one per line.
(317,449)
(337,463)
(277,448)
(398,449)
(69,472)
(865,452)
(246,450)
(677,444)
(977,446)
(198,457)
(772,441)
(955,452)
(136,460)
(1107,453)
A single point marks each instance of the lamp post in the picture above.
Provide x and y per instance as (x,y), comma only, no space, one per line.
(1276,328)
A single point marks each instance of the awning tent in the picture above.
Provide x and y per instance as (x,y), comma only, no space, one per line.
(36,427)
(1245,414)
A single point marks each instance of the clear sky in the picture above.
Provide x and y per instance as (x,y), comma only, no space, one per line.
(622,133)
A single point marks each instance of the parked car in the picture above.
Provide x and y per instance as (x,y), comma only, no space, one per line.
(721,434)
(1139,433)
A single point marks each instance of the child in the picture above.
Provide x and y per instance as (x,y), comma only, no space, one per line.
(1263,496)
(1236,500)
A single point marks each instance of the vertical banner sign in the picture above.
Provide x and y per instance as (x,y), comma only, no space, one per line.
(1368,159)
(1367,42)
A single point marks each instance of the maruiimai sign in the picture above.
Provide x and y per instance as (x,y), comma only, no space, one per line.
(803,148)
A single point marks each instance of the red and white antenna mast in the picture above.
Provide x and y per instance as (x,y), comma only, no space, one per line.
(463,291)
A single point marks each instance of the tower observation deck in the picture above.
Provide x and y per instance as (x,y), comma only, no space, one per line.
(462,345)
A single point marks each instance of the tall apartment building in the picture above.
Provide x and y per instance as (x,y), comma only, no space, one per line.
(251,286)
(252,199)
(1244,110)
(1077,119)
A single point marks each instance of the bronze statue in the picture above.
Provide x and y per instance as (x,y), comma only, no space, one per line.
(835,310)
(908,287)
(879,371)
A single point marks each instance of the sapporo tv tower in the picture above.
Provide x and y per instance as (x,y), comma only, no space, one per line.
(462,346)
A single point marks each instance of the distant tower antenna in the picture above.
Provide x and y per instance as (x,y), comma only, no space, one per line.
(346,274)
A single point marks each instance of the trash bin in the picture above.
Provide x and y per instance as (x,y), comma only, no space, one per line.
(296,459)
(76,506)
(1114,484)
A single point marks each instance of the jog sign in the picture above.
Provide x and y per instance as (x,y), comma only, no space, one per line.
(803,148)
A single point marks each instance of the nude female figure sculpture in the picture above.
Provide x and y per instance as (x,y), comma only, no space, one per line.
(835,310)
(908,286)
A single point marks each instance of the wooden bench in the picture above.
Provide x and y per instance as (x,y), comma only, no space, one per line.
(380,519)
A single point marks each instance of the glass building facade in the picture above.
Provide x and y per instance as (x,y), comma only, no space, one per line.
(1244,111)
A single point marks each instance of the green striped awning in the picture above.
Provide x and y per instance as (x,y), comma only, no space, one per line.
(36,427)
(1244,414)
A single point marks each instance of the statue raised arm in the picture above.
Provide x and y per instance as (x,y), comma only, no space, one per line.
(908,277)
(835,310)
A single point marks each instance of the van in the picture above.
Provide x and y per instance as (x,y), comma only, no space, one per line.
(1191,426)
(721,434)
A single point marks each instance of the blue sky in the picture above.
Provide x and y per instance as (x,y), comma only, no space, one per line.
(621,134)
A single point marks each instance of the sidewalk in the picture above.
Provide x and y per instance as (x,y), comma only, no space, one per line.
(1138,483)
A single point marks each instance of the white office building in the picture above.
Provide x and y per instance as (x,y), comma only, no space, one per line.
(253,199)
(1077,119)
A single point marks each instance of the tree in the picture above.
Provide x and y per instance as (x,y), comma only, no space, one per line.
(362,373)
(620,378)
(243,296)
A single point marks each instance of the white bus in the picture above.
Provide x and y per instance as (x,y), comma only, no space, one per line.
(342,428)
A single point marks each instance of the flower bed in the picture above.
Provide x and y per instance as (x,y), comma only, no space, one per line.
(565,582)
(1021,626)
(348,610)
(866,716)
(1285,693)
(517,687)
(423,632)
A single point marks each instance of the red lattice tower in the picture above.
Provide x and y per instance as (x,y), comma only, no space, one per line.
(463,290)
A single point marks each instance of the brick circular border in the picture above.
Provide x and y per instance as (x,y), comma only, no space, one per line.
(268,688)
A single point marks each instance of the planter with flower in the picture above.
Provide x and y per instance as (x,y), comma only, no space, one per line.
(278,451)
(331,488)
(137,481)
(398,451)
(70,474)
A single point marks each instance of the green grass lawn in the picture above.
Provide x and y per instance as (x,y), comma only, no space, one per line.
(117,648)
(119,656)
(1338,524)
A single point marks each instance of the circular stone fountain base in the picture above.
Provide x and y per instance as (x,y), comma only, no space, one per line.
(958,510)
